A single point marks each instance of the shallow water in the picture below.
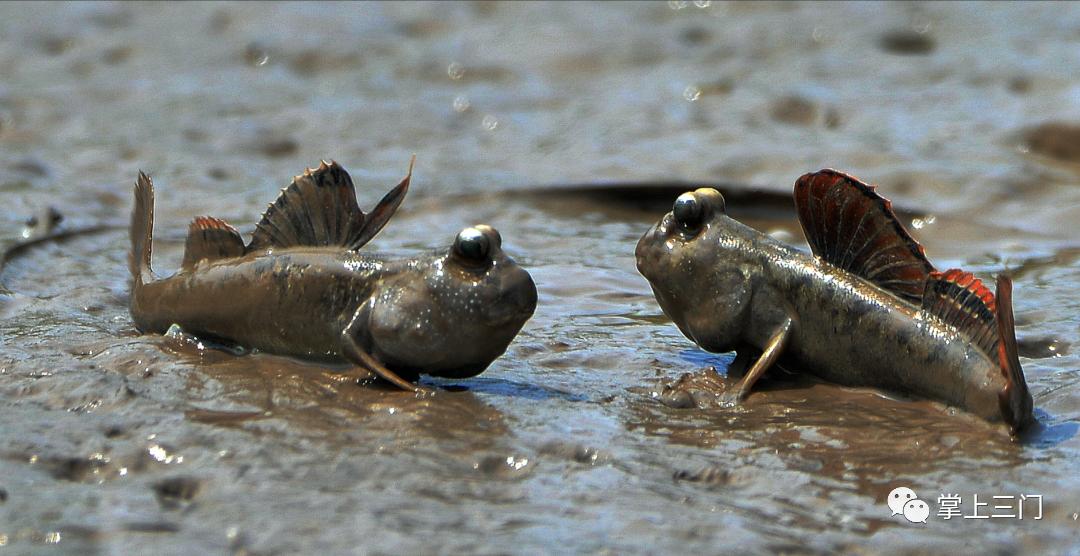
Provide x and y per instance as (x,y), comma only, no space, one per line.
(579,438)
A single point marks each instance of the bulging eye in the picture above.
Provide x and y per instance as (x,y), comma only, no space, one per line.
(688,211)
(472,245)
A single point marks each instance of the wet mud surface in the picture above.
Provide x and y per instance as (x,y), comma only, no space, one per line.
(571,129)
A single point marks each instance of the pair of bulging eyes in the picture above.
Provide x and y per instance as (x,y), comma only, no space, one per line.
(477,243)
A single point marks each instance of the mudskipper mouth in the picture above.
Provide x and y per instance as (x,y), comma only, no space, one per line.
(645,254)
(512,308)
(510,317)
(516,303)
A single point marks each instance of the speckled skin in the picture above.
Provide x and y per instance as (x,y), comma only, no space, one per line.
(727,286)
(434,315)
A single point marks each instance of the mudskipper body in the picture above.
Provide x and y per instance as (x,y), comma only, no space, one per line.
(301,287)
(867,308)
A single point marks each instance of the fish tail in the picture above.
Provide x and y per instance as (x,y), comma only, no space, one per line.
(142,232)
(1015,398)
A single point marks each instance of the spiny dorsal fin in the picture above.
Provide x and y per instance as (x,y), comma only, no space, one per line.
(851,227)
(319,209)
(961,300)
(211,238)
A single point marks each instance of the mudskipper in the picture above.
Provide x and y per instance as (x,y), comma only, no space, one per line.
(301,287)
(867,308)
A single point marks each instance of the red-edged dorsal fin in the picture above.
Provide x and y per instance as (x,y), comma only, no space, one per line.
(961,300)
(851,227)
(319,209)
(211,238)
(1015,398)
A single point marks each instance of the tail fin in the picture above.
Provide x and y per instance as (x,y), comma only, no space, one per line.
(1015,399)
(142,231)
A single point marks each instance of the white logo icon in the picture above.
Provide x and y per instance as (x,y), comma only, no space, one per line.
(916,511)
(904,501)
(898,497)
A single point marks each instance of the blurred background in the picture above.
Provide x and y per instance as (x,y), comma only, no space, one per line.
(570,127)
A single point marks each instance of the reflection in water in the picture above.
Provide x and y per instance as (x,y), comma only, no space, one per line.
(317,399)
(500,387)
(1049,431)
(700,358)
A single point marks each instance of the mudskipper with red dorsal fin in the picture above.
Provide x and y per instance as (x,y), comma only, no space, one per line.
(865,309)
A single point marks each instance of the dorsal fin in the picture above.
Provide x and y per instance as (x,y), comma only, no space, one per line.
(961,300)
(211,238)
(851,227)
(319,209)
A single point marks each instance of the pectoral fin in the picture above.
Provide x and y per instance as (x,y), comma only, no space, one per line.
(353,352)
(773,349)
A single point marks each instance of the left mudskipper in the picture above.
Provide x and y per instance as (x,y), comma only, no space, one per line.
(301,287)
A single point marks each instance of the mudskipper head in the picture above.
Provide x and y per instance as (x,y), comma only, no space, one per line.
(454,313)
(692,261)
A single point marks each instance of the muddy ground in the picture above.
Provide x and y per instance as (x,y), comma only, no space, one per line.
(599,430)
